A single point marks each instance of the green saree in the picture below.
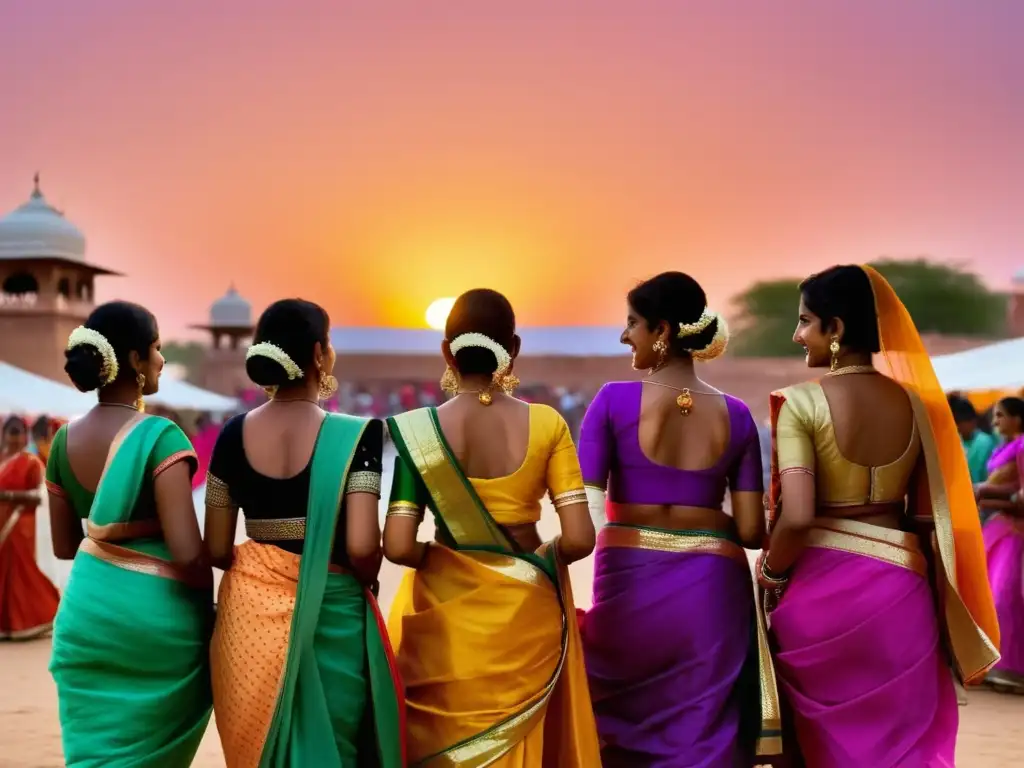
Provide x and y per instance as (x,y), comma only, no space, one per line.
(130,640)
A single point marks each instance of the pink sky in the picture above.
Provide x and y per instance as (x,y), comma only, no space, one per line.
(375,156)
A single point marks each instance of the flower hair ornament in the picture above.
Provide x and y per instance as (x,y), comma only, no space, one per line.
(83,336)
(503,377)
(279,356)
(716,347)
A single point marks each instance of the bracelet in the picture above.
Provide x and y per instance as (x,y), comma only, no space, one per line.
(766,579)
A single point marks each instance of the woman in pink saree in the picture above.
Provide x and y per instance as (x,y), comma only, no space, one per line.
(1000,496)
(855,503)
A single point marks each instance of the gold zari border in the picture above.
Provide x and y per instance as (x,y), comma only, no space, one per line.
(891,546)
(130,560)
(280,529)
(173,459)
(617,535)
(363,482)
(133,529)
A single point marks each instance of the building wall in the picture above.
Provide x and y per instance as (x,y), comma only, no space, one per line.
(35,341)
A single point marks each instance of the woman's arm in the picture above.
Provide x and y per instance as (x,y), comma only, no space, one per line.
(565,483)
(66,532)
(405,513)
(362,497)
(746,491)
(172,490)
(221,521)
(797,461)
(597,447)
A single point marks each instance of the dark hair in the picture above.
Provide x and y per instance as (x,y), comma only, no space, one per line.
(844,292)
(41,427)
(12,421)
(962,409)
(481,310)
(294,325)
(1014,407)
(127,327)
(674,298)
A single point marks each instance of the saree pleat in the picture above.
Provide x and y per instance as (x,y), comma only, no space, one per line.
(1004,549)
(858,636)
(669,693)
(301,672)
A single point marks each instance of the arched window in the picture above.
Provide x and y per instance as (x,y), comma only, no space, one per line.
(64,287)
(84,290)
(21,283)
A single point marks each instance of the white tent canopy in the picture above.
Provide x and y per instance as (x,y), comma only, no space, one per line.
(993,366)
(24,392)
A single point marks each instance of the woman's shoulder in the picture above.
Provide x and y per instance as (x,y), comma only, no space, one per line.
(803,399)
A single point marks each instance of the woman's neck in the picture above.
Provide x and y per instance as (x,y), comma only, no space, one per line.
(851,359)
(676,368)
(308,391)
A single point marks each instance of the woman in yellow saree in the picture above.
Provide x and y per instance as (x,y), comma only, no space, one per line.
(484,628)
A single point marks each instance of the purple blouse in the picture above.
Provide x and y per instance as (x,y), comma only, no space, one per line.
(610,454)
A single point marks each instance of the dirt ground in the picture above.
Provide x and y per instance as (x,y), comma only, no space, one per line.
(991,725)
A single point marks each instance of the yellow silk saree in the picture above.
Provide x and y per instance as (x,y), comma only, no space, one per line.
(485,636)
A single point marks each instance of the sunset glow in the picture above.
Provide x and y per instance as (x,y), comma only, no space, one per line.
(437,313)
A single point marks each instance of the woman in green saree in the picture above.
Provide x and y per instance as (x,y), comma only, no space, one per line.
(130,640)
(302,669)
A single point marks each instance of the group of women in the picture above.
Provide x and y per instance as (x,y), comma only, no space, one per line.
(484,660)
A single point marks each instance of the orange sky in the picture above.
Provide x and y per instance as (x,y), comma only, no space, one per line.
(374,156)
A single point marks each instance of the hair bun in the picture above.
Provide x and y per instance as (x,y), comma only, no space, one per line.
(718,344)
(266,372)
(84,366)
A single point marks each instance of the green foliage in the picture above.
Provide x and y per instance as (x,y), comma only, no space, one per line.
(185,353)
(941,298)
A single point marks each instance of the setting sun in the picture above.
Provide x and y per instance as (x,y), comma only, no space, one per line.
(437,313)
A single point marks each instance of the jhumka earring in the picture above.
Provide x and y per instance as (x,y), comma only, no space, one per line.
(508,382)
(661,348)
(328,386)
(140,403)
(834,349)
(450,381)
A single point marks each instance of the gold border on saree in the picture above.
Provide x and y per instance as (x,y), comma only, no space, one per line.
(631,537)
(131,560)
(279,529)
(888,545)
(133,529)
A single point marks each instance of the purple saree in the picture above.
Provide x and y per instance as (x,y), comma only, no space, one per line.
(671,640)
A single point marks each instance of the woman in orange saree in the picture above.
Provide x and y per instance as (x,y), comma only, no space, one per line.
(28,600)
(848,565)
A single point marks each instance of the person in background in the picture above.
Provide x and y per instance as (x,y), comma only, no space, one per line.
(130,642)
(42,436)
(28,600)
(978,444)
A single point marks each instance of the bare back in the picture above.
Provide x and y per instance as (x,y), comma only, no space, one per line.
(89,440)
(279,442)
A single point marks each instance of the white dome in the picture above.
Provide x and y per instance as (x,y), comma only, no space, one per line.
(37,230)
(231,311)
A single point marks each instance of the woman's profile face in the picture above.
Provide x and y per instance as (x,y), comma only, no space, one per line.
(812,337)
(15,437)
(1004,423)
(152,368)
(641,339)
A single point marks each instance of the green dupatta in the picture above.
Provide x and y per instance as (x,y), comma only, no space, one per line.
(470,528)
(311,741)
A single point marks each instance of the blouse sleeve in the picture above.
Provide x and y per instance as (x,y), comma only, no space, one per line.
(171,447)
(564,478)
(794,443)
(367,462)
(597,442)
(53,481)
(408,495)
(218,474)
(746,473)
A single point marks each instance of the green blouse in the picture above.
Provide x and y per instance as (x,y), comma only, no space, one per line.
(172,447)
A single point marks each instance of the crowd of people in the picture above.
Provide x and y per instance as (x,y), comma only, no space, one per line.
(484,659)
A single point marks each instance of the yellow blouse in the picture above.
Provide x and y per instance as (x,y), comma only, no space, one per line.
(551,466)
(806,442)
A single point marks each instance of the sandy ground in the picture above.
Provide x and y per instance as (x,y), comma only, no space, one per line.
(991,726)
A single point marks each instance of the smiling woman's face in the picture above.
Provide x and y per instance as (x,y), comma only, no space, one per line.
(641,339)
(813,338)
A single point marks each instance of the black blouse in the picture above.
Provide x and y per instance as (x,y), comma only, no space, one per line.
(232,482)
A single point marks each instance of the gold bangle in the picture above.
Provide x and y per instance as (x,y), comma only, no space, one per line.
(405,509)
(577,496)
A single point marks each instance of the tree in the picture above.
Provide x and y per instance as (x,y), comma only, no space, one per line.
(942,298)
(188,354)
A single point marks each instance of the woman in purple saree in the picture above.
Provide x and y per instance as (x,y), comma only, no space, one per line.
(871,469)
(1000,496)
(671,641)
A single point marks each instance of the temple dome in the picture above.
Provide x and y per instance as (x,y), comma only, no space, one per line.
(231,311)
(37,230)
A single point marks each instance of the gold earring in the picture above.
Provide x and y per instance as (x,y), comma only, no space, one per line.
(834,349)
(328,386)
(661,348)
(508,383)
(450,381)
(140,403)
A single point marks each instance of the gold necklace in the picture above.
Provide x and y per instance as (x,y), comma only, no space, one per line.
(685,398)
(852,369)
(118,405)
(483,395)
